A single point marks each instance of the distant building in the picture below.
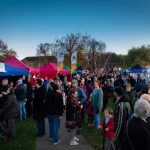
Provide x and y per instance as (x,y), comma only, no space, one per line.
(39,61)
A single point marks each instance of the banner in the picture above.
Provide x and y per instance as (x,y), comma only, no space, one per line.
(2,67)
(60,58)
(74,61)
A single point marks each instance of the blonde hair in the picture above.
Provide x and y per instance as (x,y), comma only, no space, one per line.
(109,110)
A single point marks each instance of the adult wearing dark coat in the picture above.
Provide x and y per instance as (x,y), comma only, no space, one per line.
(38,107)
(54,111)
(9,113)
(121,115)
(138,128)
(29,99)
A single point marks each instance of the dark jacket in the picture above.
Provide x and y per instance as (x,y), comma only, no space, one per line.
(121,115)
(9,108)
(29,93)
(54,104)
(139,134)
(3,89)
(21,92)
(39,103)
(71,110)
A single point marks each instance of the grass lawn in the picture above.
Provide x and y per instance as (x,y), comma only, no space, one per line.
(25,137)
(91,135)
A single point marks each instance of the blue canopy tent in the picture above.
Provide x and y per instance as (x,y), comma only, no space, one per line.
(80,70)
(13,71)
(137,69)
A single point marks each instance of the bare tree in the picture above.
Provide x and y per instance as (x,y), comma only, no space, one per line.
(43,49)
(53,49)
(94,50)
(72,42)
(3,48)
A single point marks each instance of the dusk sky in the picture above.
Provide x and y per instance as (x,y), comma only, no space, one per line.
(121,24)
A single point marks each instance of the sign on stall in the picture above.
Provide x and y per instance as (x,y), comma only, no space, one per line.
(2,67)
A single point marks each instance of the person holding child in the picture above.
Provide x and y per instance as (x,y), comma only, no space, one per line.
(73,117)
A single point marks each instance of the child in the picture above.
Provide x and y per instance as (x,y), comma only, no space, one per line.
(108,128)
(90,113)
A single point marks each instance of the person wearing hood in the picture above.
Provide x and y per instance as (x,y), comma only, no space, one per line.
(122,113)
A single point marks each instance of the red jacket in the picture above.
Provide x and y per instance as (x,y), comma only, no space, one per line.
(89,108)
(110,125)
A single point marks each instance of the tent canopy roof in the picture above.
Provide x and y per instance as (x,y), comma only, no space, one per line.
(13,71)
(13,61)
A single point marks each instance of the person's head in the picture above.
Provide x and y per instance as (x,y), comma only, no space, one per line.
(73,93)
(19,82)
(74,83)
(142,109)
(39,82)
(96,84)
(55,87)
(146,90)
(128,87)
(145,97)
(82,81)
(4,82)
(108,112)
(118,91)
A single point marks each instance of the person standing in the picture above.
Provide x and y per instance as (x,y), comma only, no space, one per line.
(54,112)
(29,99)
(72,111)
(138,129)
(84,87)
(97,102)
(107,126)
(21,92)
(9,112)
(38,107)
(122,113)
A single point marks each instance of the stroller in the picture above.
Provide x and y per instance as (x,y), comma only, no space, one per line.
(3,132)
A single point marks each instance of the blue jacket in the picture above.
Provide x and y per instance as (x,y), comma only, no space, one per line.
(97,99)
(81,95)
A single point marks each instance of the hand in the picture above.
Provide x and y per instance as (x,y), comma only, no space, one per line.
(1,95)
(106,129)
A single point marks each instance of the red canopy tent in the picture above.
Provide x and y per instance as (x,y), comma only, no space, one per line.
(63,71)
(13,61)
(49,70)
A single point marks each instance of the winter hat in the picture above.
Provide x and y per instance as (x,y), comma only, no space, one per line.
(74,81)
(119,90)
(55,87)
(19,81)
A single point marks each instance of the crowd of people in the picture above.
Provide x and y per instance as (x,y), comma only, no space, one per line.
(126,126)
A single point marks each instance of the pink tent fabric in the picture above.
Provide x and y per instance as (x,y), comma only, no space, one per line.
(34,71)
(63,71)
(49,70)
(13,61)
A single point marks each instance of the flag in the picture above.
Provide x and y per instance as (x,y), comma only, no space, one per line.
(60,58)
(74,61)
